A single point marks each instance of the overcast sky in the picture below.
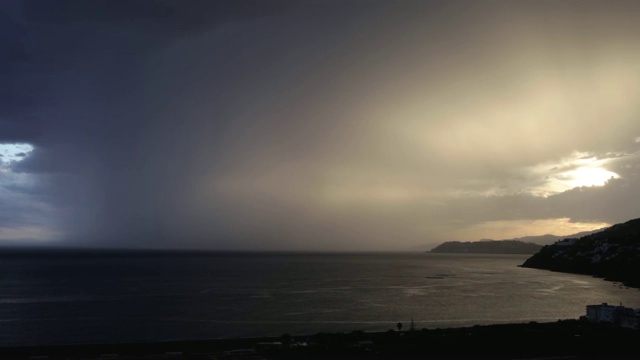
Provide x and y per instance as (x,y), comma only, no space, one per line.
(315,125)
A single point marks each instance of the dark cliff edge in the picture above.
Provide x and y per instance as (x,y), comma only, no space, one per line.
(612,254)
(487,247)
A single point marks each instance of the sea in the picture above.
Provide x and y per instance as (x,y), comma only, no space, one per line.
(116,299)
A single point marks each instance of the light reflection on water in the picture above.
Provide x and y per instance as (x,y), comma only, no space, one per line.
(239,295)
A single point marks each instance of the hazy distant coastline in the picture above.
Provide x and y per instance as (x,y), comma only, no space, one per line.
(487,247)
(526,245)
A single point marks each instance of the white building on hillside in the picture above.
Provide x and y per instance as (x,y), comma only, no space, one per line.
(615,315)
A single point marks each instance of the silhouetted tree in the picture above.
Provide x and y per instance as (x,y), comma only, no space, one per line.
(399,326)
(285,339)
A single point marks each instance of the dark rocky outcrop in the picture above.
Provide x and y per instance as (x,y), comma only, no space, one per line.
(613,254)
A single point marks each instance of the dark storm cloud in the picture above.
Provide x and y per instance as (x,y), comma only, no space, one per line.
(63,71)
(43,41)
(57,50)
(16,87)
(167,15)
(108,93)
(24,211)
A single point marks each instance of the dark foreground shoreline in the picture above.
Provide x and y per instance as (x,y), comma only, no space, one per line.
(561,339)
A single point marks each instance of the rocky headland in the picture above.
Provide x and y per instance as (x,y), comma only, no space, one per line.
(613,254)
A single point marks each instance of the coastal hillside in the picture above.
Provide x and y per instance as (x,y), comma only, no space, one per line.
(613,253)
(549,239)
(487,247)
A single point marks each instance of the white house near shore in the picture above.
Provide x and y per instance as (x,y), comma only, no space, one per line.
(616,315)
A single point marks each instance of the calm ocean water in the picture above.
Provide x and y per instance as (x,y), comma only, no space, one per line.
(126,299)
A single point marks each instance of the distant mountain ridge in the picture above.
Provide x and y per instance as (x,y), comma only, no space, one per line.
(547,239)
(522,245)
(613,253)
(487,247)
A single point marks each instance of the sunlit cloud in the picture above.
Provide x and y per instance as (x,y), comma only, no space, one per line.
(577,170)
(24,216)
(11,152)
(587,176)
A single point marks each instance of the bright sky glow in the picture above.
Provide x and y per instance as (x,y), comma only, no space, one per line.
(587,176)
(577,170)
(509,229)
(14,152)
